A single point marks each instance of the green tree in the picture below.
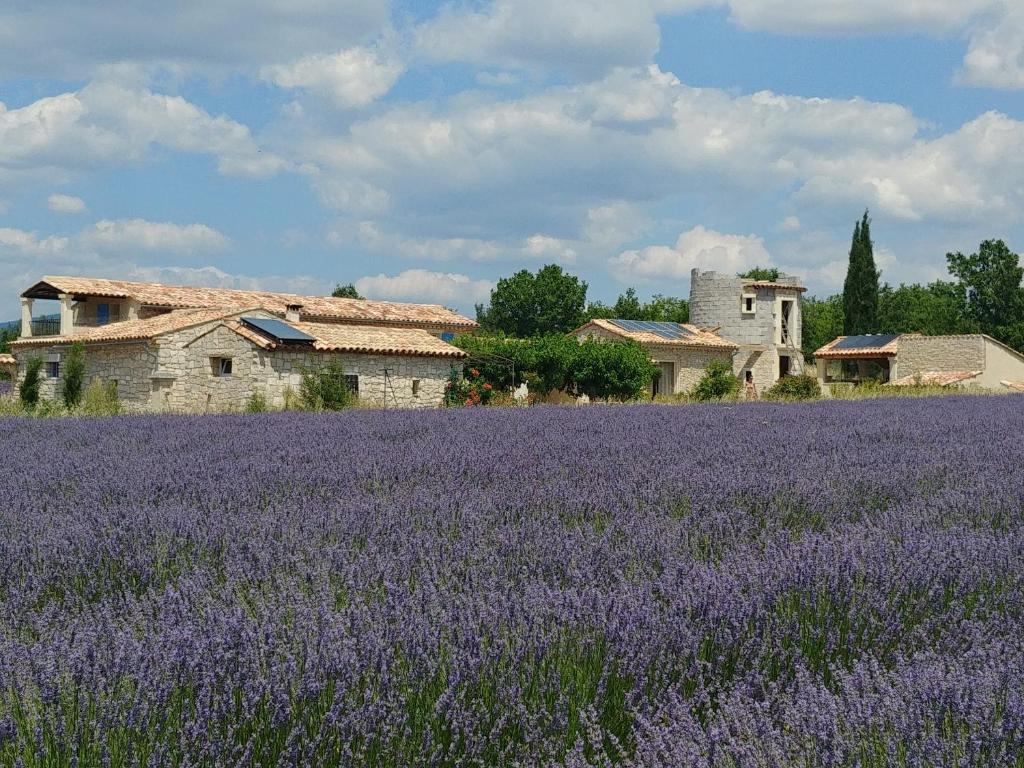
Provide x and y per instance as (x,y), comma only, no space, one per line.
(717,382)
(611,370)
(991,279)
(860,290)
(822,321)
(667,309)
(325,389)
(935,309)
(345,292)
(527,304)
(771,274)
(28,390)
(628,307)
(73,379)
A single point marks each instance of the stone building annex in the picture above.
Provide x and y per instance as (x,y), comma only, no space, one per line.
(197,349)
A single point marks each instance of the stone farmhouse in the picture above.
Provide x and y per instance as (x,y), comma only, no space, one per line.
(967,360)
(201,349)
(681,351)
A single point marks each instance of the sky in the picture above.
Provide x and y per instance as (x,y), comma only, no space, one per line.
(423,150)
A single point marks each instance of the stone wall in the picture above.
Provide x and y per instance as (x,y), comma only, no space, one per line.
(917,354)
(130,365)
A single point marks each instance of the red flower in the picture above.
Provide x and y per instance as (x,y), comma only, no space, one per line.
(488,387)
(474,372)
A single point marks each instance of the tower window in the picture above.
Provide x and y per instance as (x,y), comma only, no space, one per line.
(749,305)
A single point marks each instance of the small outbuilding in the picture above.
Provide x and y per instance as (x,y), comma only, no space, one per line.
(681,351)
(964,360)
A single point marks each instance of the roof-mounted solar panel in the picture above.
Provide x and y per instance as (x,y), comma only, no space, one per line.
(868,341)
(671,331)
(278,330)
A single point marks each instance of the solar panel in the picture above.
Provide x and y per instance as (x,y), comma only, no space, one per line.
(869,341)
(278,330)
(669,331)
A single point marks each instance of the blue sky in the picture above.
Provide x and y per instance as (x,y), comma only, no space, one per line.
(423,150)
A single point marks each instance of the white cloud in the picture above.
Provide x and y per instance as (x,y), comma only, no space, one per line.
(56,38)
(699,247)
(550,248)
(424,285)
(856,16)
(23,243)
(127,235)
(351,78)
(107,124)
(65,204)
(995,56)
(789,224)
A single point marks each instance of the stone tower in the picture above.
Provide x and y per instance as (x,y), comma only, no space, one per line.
(762,316)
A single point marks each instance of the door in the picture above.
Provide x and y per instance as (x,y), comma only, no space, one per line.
(102,314)
(664,380)
(783,365)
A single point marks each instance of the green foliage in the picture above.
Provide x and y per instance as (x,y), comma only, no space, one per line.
(527,304)
(345,292)
(771,274)
(628,307)
(324,389)
(469,390)
(717,383)
(100,399)
(794,388)
(73,378)
(860,290)
(28,390)
(257,403)
(991,279)
(611,370)
(822,322)
(935,309)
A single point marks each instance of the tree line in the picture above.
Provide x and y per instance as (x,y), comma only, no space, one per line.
(984,295)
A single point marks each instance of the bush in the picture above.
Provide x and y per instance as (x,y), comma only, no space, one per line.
(717,383)
(469,390)
(100,399)
(74,376)
(257,403)
(611,370)
(794,388)
(28,390)
(325,389)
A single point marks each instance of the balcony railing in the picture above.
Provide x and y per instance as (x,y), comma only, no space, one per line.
(47,327)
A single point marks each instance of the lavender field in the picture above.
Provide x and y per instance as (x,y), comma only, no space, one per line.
(832,584)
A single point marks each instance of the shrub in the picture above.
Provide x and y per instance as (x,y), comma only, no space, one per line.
(100,399)
(717,383)
(611,370)
(74,376)
(257,403)
(28,390)
(324,389)
(470,390)
(794,388)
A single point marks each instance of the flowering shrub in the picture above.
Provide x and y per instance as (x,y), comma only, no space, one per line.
(832,584)
(469,390)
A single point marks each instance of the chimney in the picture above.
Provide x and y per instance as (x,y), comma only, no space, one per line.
(291,313)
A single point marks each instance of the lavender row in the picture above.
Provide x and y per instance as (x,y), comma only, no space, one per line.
(833,584)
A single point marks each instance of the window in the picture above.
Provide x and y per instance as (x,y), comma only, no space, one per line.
(52,369)
(221,366)
(102,314)
(415,387)
(352,383)
(448,336)
(749,303)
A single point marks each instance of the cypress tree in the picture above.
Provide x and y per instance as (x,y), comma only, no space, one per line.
(860,290)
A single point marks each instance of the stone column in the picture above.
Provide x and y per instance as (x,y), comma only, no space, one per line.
(26,317)
(67,315)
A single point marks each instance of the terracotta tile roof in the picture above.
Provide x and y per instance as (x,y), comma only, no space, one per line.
(132,330)
(1014,385)
(935,378)
(313,307)
(697,337)
(335,337)
(772,284)
(829,350)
